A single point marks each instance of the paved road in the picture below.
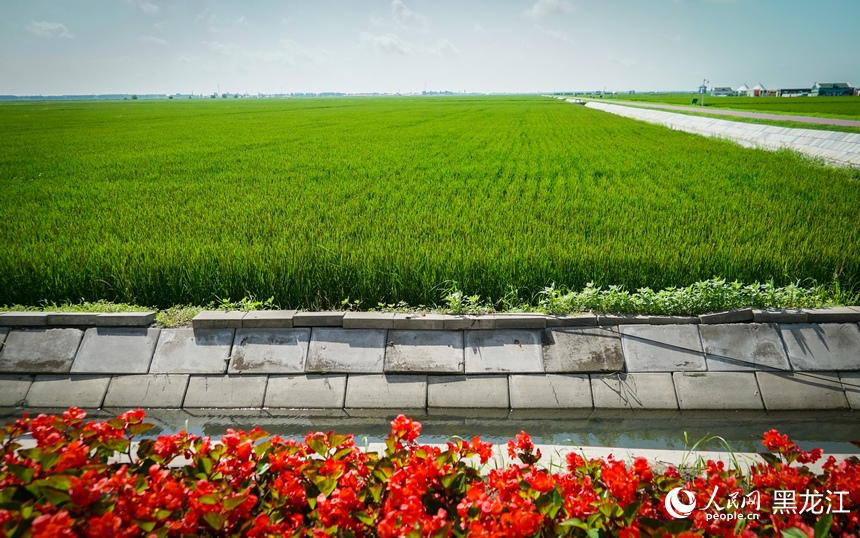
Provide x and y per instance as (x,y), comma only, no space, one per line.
(737,113)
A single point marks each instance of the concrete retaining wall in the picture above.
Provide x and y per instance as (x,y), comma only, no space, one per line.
(834,147)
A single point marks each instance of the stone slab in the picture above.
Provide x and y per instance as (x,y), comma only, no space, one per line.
(24,319)
(225,391)
(318,319)
(269,351)
(13,389)
(826,346)
(40,350)
(717,390)
(636,319)
(571,321)
(468,392)
(268,319)
(550,391)
(424,351)
(841,314)
(420,322)
(519,321)
(801,391)
(461,323)
(503,351)
(125,319)
(153,390)
(583,349)
(116,350)
(4,332)
(662,348)
(779,316)
(218,319)
(334,350)
(375,391)
(743,347)
(72,319)
(189,351)
(634,391)
(739,315)
(851,386)
(368,320)
(66,391)
(306,391)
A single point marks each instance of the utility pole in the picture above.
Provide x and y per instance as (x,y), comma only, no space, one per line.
(703,89)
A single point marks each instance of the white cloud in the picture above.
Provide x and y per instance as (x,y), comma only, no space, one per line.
(145,6)
(241,21)
(479,29)
(555,34)
(443,47)
(292,53)
(388,43)
(623,62)
(153,39)
(545,8)
(50,30)
(406,18)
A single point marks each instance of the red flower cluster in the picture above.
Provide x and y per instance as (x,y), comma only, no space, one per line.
(84,479)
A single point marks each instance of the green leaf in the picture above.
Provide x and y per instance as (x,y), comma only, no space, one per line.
(630,512)
(677,526)
(336,439)
(342,453)
(22,473)
(771,459)
(316,444)
(232,502)
(138,429)
(326,485)
(574,522)
(793,532)
(145,526)
(593,533)
(50,459)
(364,517)
(215,520)
(211,498)
(161,513)
(57,498)
(822,528)
(60,481)
(376,491)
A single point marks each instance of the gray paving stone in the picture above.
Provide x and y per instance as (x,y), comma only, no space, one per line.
(346,350)
(550,391)
(368,320)
(851,386)
(72,319)
(779,316)
(268,319)
(424,351)
(636,319)
(583,349)
(269,351)
(841,314)
(743,347)
(730,316)
(24,319)
(65,391)
(662,348)
(634,391)
(4,332)
(116,350)
(468,392)
(318,319)
(571,321)
(717,390)
(225,391)
(40,350)
(826,346)
(503,351)
(218,319)
(153,390)
(190,351)
(519,321)
(420,322)
(801,391)
(375,391)
(13,389)
(461,323)
(306,391)
(125,319)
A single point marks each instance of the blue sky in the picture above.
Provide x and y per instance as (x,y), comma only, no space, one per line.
(183,46)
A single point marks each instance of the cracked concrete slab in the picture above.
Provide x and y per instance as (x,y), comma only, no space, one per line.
(192,351)
(634,391)
(269,351)
(335,350)
(503,351)
(152,390)
(424,351)
(386,391)
(116,350)
(306,391)
(67,391)
(825,346)
(225,391)
(582,349)
(40,351)
(469,392)
(717,390)
(550,391)
(13,389)
(662,348)
(743,347)
(801,391)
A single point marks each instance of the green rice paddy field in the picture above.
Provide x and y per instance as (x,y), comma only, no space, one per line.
(384,200)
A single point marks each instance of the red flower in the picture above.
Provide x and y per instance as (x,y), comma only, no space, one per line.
(405,428)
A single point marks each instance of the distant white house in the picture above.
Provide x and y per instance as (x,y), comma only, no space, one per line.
(722,91)
(757,91)
(743,90)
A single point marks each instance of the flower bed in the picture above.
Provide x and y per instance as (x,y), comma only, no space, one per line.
(254,485)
